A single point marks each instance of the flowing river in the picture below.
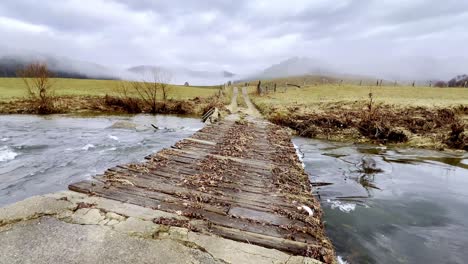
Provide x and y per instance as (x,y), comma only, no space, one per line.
(381,205)
(388,205)
(40,155)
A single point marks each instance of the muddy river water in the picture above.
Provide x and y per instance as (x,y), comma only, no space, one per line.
(382,205)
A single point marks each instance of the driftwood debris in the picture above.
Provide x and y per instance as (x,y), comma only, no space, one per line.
(211,116)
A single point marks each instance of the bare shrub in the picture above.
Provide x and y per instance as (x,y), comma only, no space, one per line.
(457,138)
(377,126)
(123,98)
(440,84)
(148,90)
(39,85)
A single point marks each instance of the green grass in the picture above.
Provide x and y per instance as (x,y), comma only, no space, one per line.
(11,88)
(400,96)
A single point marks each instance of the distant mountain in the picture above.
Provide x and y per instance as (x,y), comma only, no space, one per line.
(60,67)
(203,74)
(143,69)
(404,69)
(181,75)
(418,68)
(295,66)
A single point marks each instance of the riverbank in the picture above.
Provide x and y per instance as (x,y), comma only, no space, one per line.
(73,96)
(114,105)
(416,117)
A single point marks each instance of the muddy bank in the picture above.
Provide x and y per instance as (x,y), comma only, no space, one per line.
(425,127)
(113,105)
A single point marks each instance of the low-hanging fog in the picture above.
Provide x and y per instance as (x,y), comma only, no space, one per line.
(199,41)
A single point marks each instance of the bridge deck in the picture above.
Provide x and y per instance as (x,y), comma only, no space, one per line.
(240,180)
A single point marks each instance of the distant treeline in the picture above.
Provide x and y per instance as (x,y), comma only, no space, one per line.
(459,81)
(10,68)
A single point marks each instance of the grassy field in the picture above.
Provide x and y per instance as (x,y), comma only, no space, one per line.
(11,88)
(311,96)
(414,116)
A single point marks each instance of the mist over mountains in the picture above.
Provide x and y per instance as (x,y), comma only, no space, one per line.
(63,67)
(179,75)
(392,69)
(60,66)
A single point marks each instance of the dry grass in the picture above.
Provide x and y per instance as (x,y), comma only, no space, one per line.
(314,96)
(421,117)
(11,88)
(102,96)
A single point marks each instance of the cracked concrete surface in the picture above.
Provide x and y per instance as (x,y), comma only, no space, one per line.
(70,227)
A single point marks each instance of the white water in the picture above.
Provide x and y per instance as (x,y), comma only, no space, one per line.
(343,207)
(88,146)
(113,137)
(7,154)
(300,155)
(341,260)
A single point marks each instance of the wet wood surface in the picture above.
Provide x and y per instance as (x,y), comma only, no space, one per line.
(240,180)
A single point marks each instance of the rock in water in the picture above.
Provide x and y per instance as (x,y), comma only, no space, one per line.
(124,125)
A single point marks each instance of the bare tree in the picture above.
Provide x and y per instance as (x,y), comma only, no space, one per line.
(124,97)
(148,90)
(39,85)
(163,78)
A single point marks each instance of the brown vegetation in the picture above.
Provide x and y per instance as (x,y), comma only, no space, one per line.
(148,90)
(39,85)
(444,127)
(114,105)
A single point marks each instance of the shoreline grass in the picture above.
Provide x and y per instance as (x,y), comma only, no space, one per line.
(101,96)
(13,88)
(313,95)
(424,117)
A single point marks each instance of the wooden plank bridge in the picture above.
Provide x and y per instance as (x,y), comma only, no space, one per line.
(239,179)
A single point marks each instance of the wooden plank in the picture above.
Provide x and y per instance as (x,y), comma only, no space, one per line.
(206,142)
(180,174)
(127,195)
(286,245)
(251,201)
(272,219)
(139,197)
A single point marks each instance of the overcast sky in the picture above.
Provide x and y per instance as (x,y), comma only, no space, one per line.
(239,36)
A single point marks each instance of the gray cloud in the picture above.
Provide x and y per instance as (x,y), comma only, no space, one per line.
(239,36)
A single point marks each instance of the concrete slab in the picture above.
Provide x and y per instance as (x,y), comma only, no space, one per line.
(47,240)
(69,227)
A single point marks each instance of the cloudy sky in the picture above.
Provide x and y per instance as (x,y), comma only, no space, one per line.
(239,36)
